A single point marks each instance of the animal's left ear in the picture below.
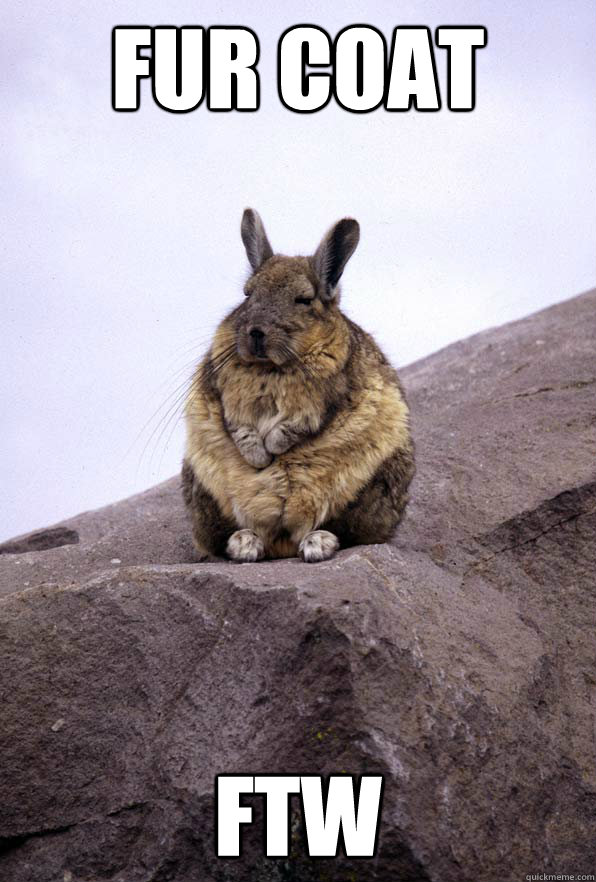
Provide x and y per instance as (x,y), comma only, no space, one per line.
(333,253)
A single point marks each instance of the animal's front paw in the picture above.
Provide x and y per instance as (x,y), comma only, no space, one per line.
(245,546)
(318,545)
(278,440)
(250,445)
(256,456)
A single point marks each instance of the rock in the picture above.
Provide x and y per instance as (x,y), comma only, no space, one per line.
(53,537)
(457,661)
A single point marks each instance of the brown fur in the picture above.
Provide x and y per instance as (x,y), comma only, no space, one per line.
(323,414)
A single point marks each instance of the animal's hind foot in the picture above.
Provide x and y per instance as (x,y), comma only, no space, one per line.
(318,545)
(244,546)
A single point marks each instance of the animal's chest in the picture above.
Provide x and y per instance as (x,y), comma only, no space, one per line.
(261,402)
(264,412)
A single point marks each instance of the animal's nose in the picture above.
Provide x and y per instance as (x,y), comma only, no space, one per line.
(257,341)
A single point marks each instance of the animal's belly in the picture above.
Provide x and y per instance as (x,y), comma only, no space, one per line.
(279,498)
(258,498)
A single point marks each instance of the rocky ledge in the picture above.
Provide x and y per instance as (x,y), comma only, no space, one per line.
(457,661)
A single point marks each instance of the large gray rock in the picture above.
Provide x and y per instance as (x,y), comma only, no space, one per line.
(457,661)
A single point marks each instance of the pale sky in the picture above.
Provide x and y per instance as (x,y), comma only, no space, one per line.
(121,246)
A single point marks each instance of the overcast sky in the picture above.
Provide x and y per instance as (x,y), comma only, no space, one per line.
(121,246)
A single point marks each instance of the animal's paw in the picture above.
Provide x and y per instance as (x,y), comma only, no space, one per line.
(318,545)
(250,445)
(256,456)
(278,440)
(245,546)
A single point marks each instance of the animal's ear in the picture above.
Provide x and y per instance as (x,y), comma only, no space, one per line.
(258,249)
(333,253)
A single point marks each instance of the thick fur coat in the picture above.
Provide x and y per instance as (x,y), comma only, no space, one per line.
(297,427)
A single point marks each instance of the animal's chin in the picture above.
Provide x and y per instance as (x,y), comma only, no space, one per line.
(270,358)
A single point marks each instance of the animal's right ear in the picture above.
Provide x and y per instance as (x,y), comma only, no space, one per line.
(258,249)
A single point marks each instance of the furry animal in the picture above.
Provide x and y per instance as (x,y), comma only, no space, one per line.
(297,427)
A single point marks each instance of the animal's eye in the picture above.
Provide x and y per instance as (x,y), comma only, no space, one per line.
(305,300)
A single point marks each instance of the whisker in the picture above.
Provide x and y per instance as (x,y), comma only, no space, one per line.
(302,367)
(214,365)
(339,421)
(164,421)
(172,420)
(162,405)
(159,427)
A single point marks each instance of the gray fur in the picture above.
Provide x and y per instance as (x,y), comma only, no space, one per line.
(333,253)
(250,444)
(258,249)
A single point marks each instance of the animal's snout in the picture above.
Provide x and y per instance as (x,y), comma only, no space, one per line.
(257,340)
